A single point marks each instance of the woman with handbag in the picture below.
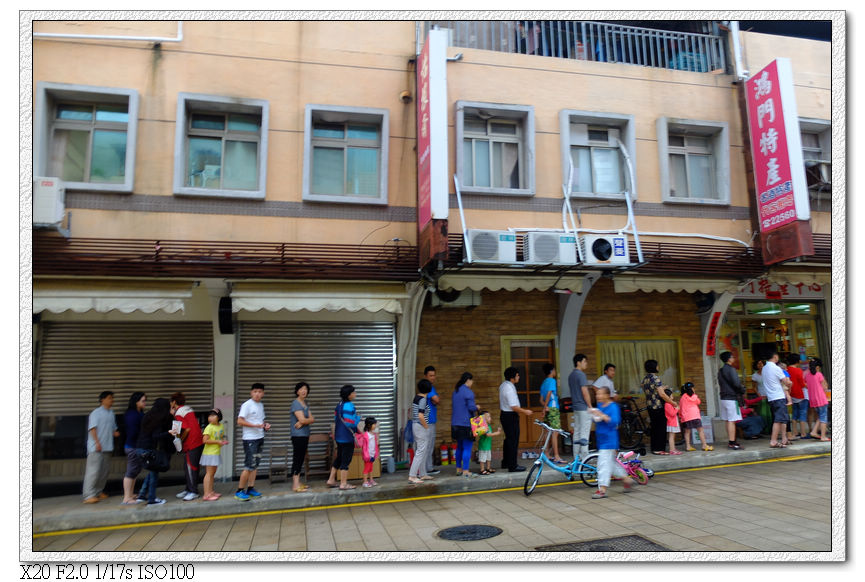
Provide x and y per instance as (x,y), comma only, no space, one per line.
(345,426)
(463,401)
(155,445)
(654,388)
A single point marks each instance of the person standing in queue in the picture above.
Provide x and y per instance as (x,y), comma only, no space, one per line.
(432,401)
(300,430)
(346,422)
(509,404)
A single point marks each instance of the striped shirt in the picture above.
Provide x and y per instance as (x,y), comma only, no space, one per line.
(418,407)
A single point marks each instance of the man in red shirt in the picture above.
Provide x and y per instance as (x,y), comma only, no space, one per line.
(193,444)
(799,423)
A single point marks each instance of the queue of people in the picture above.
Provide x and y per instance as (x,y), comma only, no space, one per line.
(170,426)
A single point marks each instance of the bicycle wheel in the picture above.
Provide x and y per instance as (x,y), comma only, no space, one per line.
(589,473)
(641,476)
(630,435)
(532,478)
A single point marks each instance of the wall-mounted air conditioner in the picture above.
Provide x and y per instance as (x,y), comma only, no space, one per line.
(492,246)
(556,248)
(605,250)
(49,201)
(466,298)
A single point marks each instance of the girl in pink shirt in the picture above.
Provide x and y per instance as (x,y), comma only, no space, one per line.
(671,412)
(817,387)
(689,411)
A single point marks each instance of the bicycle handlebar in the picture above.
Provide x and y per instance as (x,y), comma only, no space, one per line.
(551,429)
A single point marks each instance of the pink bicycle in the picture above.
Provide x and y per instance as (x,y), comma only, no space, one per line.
(634,466)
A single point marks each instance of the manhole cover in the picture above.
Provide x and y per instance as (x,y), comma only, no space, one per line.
(617,544)
(469,533)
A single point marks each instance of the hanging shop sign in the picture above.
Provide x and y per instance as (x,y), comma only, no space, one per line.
(432,205)
(779,168)
(765,289)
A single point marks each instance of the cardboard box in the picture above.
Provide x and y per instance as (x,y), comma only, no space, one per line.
(355,469)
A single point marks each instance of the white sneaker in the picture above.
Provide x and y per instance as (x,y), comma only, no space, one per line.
(190,496)
(156,501)
(182,494)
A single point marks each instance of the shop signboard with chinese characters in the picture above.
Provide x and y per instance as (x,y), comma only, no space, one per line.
(779,169)
(432,190)
(765,289)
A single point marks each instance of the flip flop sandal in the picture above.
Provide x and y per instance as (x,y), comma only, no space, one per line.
(708,448)
(485,472)
(675,452)
(347,487)
(660,453)
(691,449)
(492,470)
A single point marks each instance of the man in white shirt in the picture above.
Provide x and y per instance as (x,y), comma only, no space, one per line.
(509,404)
(777,386)
(606,381)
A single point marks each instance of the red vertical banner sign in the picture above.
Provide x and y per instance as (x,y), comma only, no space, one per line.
(432,144)
(424,209)
(779,168)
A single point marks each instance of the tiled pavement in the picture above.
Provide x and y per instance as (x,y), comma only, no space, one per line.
(765,507)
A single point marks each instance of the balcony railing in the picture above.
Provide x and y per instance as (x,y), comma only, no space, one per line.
(590,41)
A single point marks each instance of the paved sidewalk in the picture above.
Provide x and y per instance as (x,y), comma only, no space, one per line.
(67,512)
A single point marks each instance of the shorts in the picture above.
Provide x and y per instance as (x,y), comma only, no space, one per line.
(673,428)
(342,458)
(485,456)
(730,410)
(823,413)
(800,410)
(692,424)
(252,454)
(134,464)
(779,410)
(209,460)
(553,418)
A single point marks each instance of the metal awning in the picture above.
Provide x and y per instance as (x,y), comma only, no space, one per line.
(59,295)
(351,297)
(522,282)
(631,283)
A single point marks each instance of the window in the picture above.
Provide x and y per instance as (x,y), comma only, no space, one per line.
(220,146)
(817,154)
(695,161)
(86,136)
(629,356)
(345,154)
(495,148)
(590,142)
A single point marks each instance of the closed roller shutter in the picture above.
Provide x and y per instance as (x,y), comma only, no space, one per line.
(80,360)
(326,356)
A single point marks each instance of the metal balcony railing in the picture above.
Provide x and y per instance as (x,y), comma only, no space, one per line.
(590,41)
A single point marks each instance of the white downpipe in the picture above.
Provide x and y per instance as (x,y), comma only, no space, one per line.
(467,244)
(631,222)
(741,73)
(57,35)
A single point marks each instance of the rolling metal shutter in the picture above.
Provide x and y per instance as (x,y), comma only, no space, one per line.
(79,360)
(326,356)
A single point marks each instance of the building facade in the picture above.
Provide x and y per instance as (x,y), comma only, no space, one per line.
(241,205)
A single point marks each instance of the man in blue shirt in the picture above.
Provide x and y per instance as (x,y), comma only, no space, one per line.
(432,399)
(607,418)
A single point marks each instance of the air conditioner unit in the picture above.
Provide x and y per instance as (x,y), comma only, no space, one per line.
(605,250)
(466,298)
(557,248)
(492,246)
(49,201)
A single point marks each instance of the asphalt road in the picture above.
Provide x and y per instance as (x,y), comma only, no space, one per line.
(773,506)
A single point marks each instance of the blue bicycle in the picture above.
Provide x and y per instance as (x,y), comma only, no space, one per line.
(587,469)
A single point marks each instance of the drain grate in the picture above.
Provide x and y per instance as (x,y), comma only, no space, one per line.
(469,533)
(616,544)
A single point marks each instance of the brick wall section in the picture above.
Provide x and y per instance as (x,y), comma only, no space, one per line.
(455,340)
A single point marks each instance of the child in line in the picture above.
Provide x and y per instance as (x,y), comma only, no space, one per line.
(672,414)
(689,411)
(214,439)
(367,440)
(817,387)
(608,418)
(485,445)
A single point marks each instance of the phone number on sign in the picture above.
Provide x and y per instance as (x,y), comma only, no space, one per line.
(116,571)
(779,218)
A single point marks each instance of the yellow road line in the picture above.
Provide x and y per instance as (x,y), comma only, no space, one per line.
(384,501)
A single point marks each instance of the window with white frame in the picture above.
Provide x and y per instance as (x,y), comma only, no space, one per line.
(817,154)
(695,161)
(495,148)
(591,157)
(86,136)
(220,146)
(345,154)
